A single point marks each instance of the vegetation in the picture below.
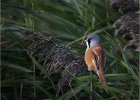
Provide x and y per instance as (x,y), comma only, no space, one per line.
(69,21)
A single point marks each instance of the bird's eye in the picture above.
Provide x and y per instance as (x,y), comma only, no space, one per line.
(89,40)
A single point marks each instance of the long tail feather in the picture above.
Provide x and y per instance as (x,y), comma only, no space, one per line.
(103,79)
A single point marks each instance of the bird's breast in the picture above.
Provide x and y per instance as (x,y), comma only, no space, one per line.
(88,58)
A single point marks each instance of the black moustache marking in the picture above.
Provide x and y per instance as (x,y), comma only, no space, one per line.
(89,42)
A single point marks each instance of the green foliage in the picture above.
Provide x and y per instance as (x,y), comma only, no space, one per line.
(68,20)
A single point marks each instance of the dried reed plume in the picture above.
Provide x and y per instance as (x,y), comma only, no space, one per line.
(53,55)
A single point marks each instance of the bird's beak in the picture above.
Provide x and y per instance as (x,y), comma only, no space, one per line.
(85,40)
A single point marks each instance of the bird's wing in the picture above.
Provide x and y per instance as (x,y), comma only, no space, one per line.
(95,61)
(99,61)
(98,57)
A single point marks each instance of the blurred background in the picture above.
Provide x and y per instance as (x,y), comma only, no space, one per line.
(115,21)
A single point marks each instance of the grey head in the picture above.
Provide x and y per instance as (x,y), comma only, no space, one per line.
(91,40)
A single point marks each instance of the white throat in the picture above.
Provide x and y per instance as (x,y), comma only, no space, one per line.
(92,43)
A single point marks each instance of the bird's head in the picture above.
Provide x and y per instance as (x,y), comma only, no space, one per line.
(91,40)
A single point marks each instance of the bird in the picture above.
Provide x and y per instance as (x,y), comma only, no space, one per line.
(95,56)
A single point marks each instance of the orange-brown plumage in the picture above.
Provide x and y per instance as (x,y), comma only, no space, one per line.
(90,58)
(95,57)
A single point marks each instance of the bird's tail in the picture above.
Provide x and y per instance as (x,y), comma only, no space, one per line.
(103,79)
